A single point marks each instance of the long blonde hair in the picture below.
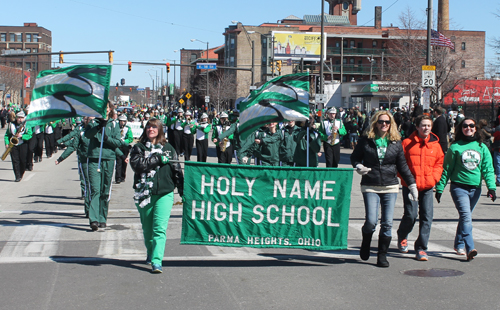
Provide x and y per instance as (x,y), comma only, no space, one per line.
(371,132)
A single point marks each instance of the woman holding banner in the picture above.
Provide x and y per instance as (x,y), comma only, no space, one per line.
(154,181)
(378,157)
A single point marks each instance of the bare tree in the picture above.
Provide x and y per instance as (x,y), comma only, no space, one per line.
(11,77)
(221,91)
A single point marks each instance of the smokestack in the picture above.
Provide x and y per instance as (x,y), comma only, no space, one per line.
(443,15)
(378,17)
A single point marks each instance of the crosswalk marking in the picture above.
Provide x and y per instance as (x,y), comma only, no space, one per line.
(40,243)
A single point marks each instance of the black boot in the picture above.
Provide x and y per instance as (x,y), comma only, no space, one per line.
(364,252)
(383,245)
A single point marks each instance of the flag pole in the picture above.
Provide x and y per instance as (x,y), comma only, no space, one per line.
(100,150)
(307,147)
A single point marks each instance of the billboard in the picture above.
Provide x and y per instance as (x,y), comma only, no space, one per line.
(474,91)
(297,45)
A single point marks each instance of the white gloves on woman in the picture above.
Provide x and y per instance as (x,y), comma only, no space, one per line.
(362,169)
(413,192)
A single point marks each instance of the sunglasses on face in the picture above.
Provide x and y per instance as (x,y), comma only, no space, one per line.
(380,122)
(471,125)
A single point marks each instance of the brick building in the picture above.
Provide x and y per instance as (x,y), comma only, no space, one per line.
(23,40)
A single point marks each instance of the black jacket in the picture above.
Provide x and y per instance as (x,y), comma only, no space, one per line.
(168,176)
(381,174)
(440,129)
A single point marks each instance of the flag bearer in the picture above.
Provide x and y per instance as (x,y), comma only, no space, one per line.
(80,143)
(128,138)
(68,140)
(19,152)
(288,145)
(269,141)
(243,149)
(100,181)
(202,129)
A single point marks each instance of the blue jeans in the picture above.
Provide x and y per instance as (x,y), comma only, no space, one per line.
(424,208)
(465,201)
(496,163)
(386,202)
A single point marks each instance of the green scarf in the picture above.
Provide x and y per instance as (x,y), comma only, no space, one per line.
(142,195)
(381,144)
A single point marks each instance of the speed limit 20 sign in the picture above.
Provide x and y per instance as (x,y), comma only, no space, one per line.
(428,76)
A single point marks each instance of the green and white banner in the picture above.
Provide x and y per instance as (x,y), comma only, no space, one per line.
(69,92)
(266,207)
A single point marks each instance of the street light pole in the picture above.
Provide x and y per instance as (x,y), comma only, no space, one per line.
(208,94)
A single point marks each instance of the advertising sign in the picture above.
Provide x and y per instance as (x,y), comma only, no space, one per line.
(297,45)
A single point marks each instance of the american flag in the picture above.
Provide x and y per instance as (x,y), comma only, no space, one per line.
(437,38)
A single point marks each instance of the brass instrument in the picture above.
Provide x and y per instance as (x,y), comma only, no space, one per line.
(14,141)
(224,144)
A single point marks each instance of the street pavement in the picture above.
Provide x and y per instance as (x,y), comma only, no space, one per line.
(49,258)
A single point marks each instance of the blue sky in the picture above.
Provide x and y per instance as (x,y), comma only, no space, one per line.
(150,31)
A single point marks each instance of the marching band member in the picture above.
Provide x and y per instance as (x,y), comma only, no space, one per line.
(128,138)
(202,130)
(269,141)
(288,145)
(19,151)
(188,135)
(176,123)
(223,146)
(331,129)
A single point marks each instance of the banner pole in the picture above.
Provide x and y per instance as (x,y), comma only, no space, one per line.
(100,150)
(307,148)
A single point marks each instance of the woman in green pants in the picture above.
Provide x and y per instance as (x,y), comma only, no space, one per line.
(154,181)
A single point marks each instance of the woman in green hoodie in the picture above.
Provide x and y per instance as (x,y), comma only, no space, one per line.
(466,163)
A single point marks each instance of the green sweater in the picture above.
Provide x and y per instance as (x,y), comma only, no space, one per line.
(113,142)
(467,163)
(269,147)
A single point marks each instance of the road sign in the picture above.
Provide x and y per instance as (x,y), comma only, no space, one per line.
(428,76)
(188,95)
(320,98)
(206,66)
(181,101)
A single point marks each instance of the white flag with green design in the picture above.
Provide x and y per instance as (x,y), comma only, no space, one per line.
(283,98)
(69,92)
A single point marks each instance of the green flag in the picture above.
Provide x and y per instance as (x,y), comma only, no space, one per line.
(69,92)
(283,98)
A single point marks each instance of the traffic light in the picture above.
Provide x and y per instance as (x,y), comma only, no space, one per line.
(168,67)
(129,66)
(278,65)
(61,57)
(110,57)
(272,66)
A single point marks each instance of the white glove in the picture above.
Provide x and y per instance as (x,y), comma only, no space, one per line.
(362,170)
(413,195)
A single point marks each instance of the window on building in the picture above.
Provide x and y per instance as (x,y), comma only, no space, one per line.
(463,63)
(12,37)
(19,64)
(384,44)
(194,57)
(3,37)
(360,62)
(231,43)
(353,44)
(28,37)
(360,44)
(351,61)
(28,50)
(344,78)
(34,50)
(463,46)
(28,66)
(35,37)
(231,61)
(344,61)
(19,37)
(345,43)
(374,43)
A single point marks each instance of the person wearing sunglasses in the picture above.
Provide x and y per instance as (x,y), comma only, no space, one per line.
(154,181)
(466,163)
(379,157)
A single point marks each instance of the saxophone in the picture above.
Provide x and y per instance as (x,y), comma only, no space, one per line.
(224,142)
(14,141)
(333,136)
